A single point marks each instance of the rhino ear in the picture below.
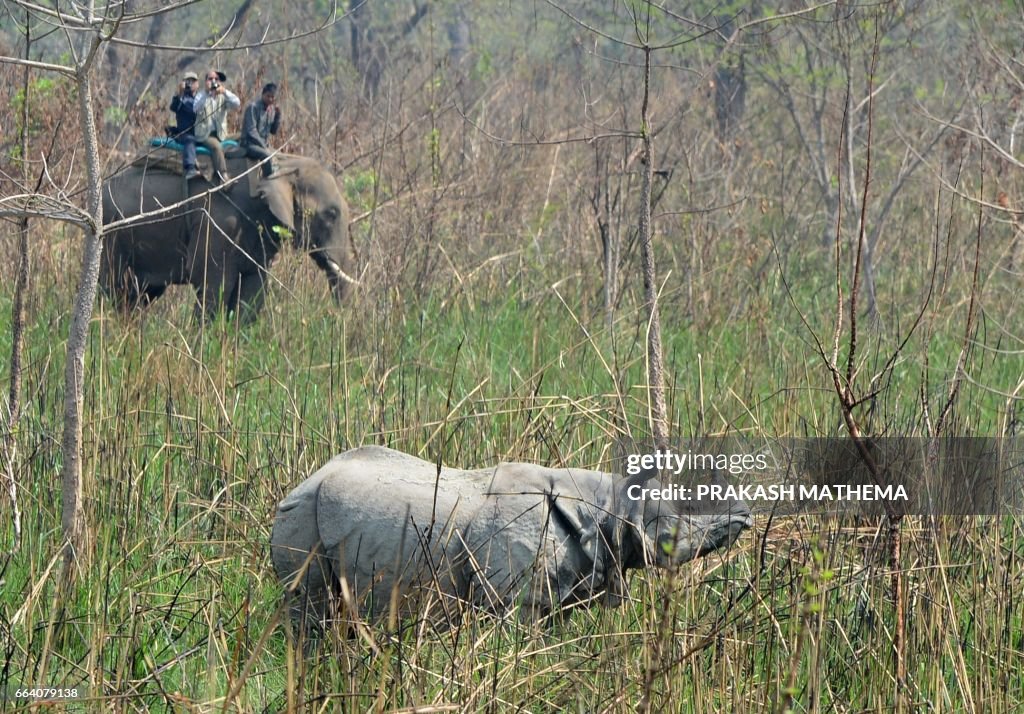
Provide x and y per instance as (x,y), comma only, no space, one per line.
(578,519)
(277,193)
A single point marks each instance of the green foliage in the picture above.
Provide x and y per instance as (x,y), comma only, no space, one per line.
(359,186)
(434,151)
(547,216)
(483,68)
(115,115)
(282,232)
(44,95)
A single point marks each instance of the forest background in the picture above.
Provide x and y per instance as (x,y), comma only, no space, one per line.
(491,153)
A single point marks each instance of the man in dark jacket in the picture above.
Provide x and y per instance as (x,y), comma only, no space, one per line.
(184,107)
(262,118)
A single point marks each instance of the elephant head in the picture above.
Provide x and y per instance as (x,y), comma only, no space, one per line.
(304,198)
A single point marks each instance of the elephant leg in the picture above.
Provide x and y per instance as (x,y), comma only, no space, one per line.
(112,278)
(151,293)
(120,291)
(130,296)
(121,285)
(249,296)
(215,289)
(214,260)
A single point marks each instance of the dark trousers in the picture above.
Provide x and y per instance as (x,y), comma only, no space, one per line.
(254,151)
(188,153)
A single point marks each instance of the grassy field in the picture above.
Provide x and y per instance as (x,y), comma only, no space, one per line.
(193,434)
(494,173)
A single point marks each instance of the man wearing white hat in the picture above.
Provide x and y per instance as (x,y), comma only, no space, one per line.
(212,106)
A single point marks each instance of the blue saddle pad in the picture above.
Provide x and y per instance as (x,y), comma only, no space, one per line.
(168,143)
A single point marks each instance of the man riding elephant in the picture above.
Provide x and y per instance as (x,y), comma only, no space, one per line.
(221,243)
(262,118)
(212,105)
(183,104)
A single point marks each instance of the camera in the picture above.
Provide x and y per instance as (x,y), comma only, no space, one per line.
(214,84)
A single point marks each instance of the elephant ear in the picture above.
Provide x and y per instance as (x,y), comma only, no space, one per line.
(280,200)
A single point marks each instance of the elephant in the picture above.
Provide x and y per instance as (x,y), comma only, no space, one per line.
(376,529)
(221,243)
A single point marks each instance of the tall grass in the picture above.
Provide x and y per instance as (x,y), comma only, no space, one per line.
(194,433)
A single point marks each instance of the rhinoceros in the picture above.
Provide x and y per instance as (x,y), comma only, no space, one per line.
(375,526)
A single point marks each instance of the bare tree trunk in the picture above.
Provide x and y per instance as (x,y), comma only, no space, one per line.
(655,365)
(459,38)
(18,316)
(21,282)
(356,11)
(601,203)
(730,99)
(611,274)
(73,514)
(871,309)
(368,50)
(17,340)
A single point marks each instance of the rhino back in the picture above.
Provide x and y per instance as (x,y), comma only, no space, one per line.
(386,520)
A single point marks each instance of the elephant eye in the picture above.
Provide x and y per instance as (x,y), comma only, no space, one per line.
(331,214)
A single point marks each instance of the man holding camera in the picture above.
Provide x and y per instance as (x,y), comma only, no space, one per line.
(212,106)
(183,104)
